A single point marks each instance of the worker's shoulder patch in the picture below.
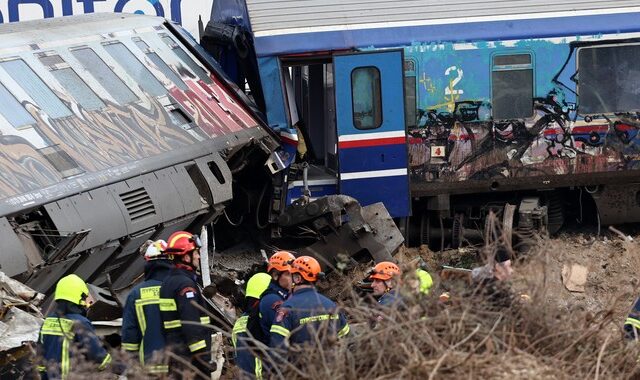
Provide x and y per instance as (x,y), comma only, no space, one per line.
(281,314)
(188,292)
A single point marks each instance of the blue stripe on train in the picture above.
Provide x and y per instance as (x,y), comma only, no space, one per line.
(389,190)
(472,31)
(382,157)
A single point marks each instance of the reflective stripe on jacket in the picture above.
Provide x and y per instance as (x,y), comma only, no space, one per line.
(184,325)
(303,315)
(632,323)
(270,302)
(62,338)
(245,358)
(141,320)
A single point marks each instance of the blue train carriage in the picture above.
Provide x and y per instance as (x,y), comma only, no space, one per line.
(115,129)
(448,112)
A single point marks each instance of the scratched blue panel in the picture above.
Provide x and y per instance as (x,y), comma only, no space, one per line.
(373,158)
(390,190)
(273,94)
(446,76)
(473,31)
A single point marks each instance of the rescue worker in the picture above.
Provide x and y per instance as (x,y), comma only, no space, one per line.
(306,311)
(385,278)
(632,323)
(185,332)
(425,281)
(279,269)
(247,330)
(141,320)
(67,334)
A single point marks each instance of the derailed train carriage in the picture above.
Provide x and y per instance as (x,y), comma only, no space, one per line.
(116,129)
(448,112)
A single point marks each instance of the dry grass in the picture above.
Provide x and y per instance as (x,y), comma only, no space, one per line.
(475,335)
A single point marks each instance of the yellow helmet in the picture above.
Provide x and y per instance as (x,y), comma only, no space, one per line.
(426,282)
(257,284)
(73,289)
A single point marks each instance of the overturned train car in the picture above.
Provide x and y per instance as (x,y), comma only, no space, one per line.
(115,130)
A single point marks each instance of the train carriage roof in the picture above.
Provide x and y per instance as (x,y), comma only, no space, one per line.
(292,26)
(61,28)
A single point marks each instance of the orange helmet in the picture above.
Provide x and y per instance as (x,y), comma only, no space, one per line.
(308,267)
(385,271)
(182,242)
(281,261)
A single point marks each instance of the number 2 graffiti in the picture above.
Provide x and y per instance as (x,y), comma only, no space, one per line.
(449,90)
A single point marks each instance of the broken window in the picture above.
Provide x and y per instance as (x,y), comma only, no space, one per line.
(184,57)
(366,98)
(104,75)
(72,82)
(609,79)
(410,100)
(512,86)
(35,88)
(135,69)
(160,64)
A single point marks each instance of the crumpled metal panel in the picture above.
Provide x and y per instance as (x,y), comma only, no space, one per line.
(18,327)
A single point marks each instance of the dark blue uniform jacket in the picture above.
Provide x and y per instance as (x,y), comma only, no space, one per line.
(270,302)
(141,319)
(65,334)
(303,315)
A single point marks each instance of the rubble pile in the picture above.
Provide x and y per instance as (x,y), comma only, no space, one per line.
(20,321)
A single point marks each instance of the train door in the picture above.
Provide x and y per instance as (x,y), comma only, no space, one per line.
(372,148)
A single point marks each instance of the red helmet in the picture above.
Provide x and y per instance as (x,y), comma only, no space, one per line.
(182,242)
(385,271)
(308,267)
(281,261)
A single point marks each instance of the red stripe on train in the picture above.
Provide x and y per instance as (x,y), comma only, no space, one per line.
(372,142)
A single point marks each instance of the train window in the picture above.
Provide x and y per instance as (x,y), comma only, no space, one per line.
(410,100)
(184,57)
(36,88)
(159,63)
(104,75)
(12,110)
(608,78)
(70,80)
(366,98)
(61,161)
(135,68)
(512,86)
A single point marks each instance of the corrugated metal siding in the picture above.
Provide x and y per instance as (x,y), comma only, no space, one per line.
(267,15)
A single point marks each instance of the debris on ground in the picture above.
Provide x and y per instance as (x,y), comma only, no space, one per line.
(574,277)
(20,321)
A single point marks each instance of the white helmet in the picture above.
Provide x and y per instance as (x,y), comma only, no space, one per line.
(156,250)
